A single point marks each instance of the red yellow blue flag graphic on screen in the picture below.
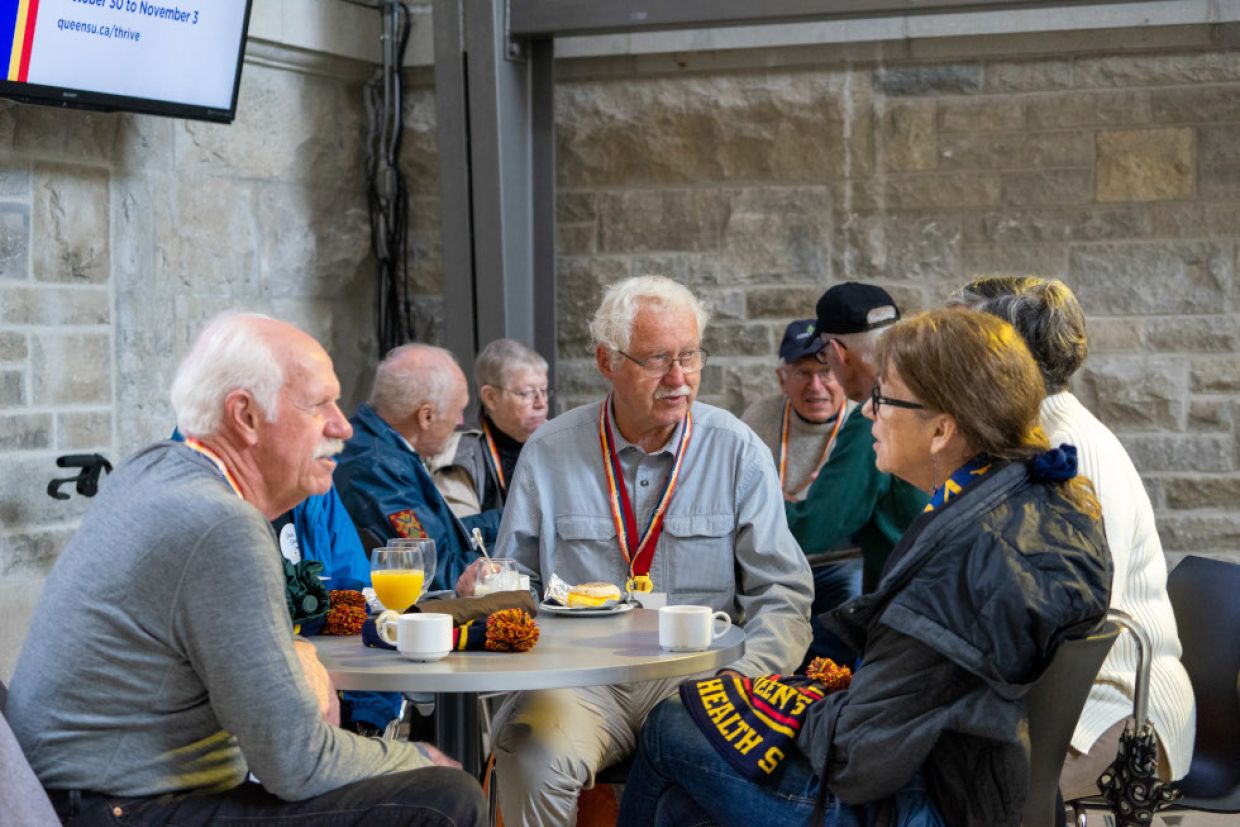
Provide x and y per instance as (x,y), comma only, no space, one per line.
(17,18)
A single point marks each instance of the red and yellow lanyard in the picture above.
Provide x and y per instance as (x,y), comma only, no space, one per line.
(783,448)
(495,462)
(638,553)
(219,463)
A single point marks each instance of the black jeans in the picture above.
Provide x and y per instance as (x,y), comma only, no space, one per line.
(433,796)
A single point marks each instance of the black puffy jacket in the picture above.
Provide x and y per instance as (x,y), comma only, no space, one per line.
(972,604)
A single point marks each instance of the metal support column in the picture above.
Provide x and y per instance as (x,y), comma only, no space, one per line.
(497,179)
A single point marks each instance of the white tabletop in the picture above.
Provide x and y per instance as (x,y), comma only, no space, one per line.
(571,651)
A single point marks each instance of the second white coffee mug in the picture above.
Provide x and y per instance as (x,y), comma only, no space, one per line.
(690,628)
(423,636)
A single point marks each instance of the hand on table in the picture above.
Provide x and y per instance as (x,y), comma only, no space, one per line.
(436,757)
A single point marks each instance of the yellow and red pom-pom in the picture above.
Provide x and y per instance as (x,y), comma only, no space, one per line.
(831,675)
(347,613)
(511,630)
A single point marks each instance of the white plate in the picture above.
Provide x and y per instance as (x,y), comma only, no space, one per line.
(585,611)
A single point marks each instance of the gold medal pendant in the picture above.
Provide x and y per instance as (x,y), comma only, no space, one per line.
(640,583)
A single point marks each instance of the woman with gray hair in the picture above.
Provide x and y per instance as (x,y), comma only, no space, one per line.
(1049,318)
(474,471)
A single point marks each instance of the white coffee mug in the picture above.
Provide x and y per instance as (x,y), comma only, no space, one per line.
(690,628)
(422,636)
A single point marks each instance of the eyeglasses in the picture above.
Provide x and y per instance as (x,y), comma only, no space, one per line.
(809,374)
(528,395)
(877,400)
(690,361)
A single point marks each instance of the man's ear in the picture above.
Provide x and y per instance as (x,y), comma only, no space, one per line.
(242,416)
(424,415)
(602,358)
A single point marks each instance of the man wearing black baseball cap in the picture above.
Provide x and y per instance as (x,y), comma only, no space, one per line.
(851,500)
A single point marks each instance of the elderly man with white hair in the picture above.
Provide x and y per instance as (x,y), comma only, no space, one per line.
(418,399)
(650,489)
(160,671)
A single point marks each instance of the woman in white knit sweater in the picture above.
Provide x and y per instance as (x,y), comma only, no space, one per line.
(1052,323)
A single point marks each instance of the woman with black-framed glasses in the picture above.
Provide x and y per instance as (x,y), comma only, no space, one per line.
(1008,561)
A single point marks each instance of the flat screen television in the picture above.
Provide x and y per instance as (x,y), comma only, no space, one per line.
(180,58)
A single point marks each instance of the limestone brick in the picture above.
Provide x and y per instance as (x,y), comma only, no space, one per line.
(575,239)
(1171,452)
(898,245)
(1038,75)
(1216,374)
(74,134)
(1073,109)
(929,79)
(641,221)
(1145,164)
(778,234)
(1016,225)
(12,346)
(1194,334)
(1135,393)
(212,239)
(83,430)
(776,126)
(425,247)
(1195,219)
(731,339)
(14,241)
(580,283)
(906,136)
(32,553)
(54,305)
(1175,277)
(1188,493)
(25,431)
(70,219)
(70,368)
(950,190)
(1217,144)
(785,303)
(1045,260)
(575,207)
(12,388)
(1205,415)
(1197,533)
(1219,181)
(724,304)
(1013,150)
(296,258)
(735,386)
(1156,70)
(1197,105)
(1047,186)
(1117,335)
(987,113)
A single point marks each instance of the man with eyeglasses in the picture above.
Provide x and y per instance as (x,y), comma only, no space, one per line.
(663,496)
(851,500)
(417,401)
(801,426)
(474,471)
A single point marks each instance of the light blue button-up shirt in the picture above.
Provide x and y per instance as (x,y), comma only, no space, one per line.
(725,540)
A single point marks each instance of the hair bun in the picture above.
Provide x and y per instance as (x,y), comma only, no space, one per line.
(1055,465)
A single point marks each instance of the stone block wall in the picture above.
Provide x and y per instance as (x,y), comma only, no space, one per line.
(760,179)
(120,235)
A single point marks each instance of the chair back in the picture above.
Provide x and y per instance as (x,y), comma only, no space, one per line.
(1053,707)
(1205,595)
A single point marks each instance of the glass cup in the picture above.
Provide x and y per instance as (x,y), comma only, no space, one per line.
(497,575)
(400,573)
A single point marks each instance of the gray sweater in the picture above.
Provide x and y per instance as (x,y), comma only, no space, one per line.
(160,658)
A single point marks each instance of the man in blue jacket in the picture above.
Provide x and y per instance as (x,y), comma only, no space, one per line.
(419,398)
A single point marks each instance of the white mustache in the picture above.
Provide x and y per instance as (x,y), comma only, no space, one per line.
(666,393)
(329,448)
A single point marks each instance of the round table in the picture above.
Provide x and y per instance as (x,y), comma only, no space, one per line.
(571,651)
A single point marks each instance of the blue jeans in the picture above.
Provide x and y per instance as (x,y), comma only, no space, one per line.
(833,585)
(679,780)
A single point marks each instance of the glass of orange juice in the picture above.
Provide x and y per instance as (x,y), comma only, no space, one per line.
(399,572)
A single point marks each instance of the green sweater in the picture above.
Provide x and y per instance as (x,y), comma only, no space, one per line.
(853,499)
